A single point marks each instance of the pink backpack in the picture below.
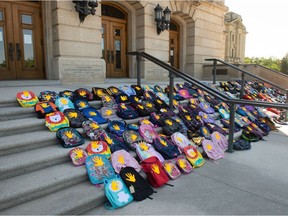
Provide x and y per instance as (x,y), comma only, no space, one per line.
(213,151)
(181,140)
(148,133)
(121,159)
(220,140)
(145,150)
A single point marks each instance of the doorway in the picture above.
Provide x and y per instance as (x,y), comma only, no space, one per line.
(21,51)
(114,38)
(174,44)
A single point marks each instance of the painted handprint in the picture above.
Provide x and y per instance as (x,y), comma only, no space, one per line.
(130,177)
(155,168)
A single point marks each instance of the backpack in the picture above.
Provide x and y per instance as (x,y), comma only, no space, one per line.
(148,122)
(206,118)
(166,148)
(75,117)
(158,88)
(149,105)
(108,101)
(64,103)
(69,137)
(204,132)
(214,127)
(138,186)
(135,99)
(115,143)
(121,159)
(78,156)
(138,89)
(99,168)
(47,96)
(155,173)
(181,141)
(251,137)
(241,145)
(224,113)
(98,93)
(206,108)
(44,107)
(184,128)
(67,93)
(112,90)
(145,150)
(27,98)
(184,93)
(92,129)
(141,110)
(56,120)
(81,104)
(126,112)
(130,137)
(160,104)
(149,95)
(92,114)
(220,140)
(109,113)
(212,150)
(84,93)
(98,147)
(226,124)
(155,119)
(171,169)
(127,90)
(148,133)
(117,127)
(117,193)
(184,165)
(194,156)
(170,126)
(163,97)
(122,97)
(191,122)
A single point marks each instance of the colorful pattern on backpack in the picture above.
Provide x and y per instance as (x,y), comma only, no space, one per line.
(84,93)
(130,137)
(184,164)
(78,156)
(117,193)
(98,147)
(69,137)
(109,113)
(92,129)
(44,107)
(64,103)
(121,159)
(27,98)
(194,156)
(56,120)
(171,169)
(155,172)
(98,93)
(212,150)
(48,96)
(148,133)
(67,93)
(117,127)
(75,117)
(181,140)
(99,168)
(108,101)
(145,150)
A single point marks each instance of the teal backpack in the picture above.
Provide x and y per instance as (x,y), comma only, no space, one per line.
(117,193)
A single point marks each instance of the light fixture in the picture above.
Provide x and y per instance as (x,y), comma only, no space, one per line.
(162,21)
(85,8)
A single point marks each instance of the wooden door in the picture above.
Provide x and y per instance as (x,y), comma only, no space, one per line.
(174,49)
(21,52)
(114,47)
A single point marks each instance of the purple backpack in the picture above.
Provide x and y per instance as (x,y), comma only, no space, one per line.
(121,159)
(145,150)
(212,150)
(206,108)
(220,139)
(205,117)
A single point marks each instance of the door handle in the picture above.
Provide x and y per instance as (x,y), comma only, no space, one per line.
(11,51)
(108,56)
(18,52)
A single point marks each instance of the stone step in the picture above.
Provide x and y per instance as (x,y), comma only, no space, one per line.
(20,126)
(24,142)
(69,201)
(11,113)
(23,188)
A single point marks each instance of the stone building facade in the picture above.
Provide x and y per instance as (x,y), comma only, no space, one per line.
(48,41)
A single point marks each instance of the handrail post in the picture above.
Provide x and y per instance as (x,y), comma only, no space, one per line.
(214,71)
(242,86)
(138,58)
(171,90)
(286,112)
(231,127)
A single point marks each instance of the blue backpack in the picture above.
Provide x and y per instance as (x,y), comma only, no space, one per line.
(99,168)
(117,127)
(81,103)
(117,193)
(127,90)
(92,114)
(63,103)
(126,112)
(166,148)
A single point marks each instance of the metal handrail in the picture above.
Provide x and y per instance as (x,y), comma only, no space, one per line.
(173,72)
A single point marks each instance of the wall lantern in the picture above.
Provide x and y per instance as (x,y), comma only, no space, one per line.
(162,21)
(85,8)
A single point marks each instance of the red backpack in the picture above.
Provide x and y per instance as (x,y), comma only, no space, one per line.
(155,173)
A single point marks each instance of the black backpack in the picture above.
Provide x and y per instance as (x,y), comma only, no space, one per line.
(166,148)
(75,117)
(170,126)
(137,185)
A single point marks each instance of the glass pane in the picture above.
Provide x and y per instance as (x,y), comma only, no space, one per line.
(28,48)
(1,15)
(117,32)
(2,49)
(108,10)
(172,56)
(118,54)
(26,19)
